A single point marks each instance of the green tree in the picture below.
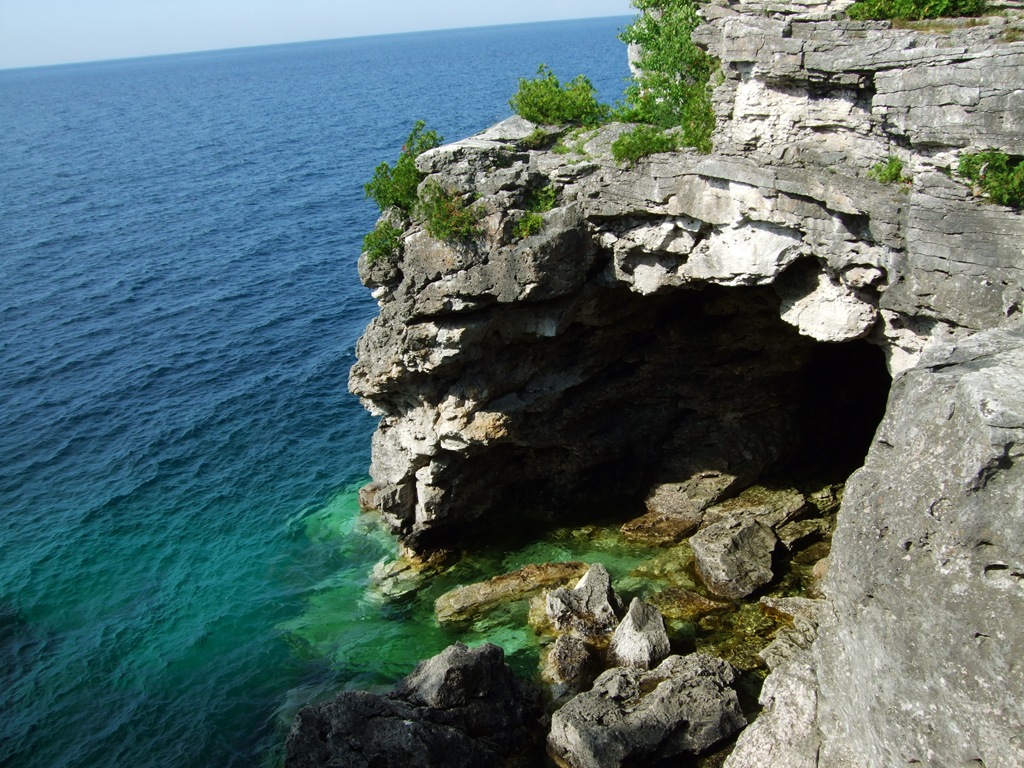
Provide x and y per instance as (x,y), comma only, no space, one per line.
(674,85)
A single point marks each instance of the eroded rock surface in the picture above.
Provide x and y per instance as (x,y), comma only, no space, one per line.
(590,608)
(461,708)
(655,342)
(734,557)
(684,706)
(926,579)
(640,640)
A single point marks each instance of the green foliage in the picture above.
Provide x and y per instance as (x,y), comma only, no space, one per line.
(530,223)
(396,187)
(889,172)
(674,87)
(996,175)
(538,202)
(446,215)
(914,10)
(537,139)
(384,242)
(543,199)
(546,101)
(642,141)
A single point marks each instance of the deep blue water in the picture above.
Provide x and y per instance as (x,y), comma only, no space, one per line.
(181,559)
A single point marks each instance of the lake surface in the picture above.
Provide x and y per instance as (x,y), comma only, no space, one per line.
(182,560)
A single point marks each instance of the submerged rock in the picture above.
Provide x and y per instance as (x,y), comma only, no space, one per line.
(466,603)
(662,527)
(685,604)
(684,706)
(461,708)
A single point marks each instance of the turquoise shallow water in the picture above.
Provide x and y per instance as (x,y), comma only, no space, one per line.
(182,562)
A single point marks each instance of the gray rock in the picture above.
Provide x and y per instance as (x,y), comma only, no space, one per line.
(590,608)
(473,600)
(683,707)
(569,667)
(785,734)
(926,574)
(640,640)
(461,708)
(632,344)
(734,557)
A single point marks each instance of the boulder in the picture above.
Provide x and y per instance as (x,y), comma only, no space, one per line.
(590,608)
(772,506)
(631,716)
(461,708)
(570,667)
(468,602)
(734,557)
(640,639)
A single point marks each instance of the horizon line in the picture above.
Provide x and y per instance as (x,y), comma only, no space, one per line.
(143,57)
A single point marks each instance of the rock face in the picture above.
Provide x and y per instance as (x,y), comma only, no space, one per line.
(680,327)
(667,313)
(926,579)
(684,706)
(460,708)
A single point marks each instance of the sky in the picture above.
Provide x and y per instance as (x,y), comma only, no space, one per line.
(40,32)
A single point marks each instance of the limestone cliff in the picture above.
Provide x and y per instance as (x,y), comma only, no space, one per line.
(679,328)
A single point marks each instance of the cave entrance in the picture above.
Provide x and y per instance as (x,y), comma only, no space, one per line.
(842,396)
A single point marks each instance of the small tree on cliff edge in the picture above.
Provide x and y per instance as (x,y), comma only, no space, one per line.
(674,85)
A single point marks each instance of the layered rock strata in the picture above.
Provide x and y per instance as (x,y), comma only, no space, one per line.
(662,337)
(661,323)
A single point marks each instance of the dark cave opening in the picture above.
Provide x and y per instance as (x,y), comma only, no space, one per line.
(842,398)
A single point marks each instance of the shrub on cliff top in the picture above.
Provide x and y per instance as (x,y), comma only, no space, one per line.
(446,215)
(642,141)
(546,101)
(674,85)
(996,175)
(396,187)
(914,10)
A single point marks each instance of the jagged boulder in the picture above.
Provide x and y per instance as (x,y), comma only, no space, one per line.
(734,557)
(590,608)
(640,640)
(683,707)
(785,734)
(461,708)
